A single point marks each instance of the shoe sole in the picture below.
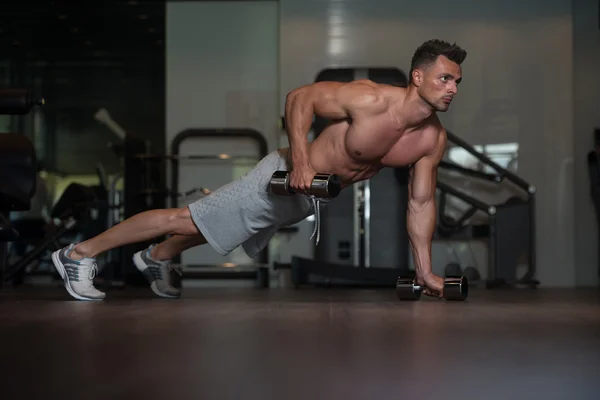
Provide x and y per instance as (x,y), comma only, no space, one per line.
(63,274)
(141,266)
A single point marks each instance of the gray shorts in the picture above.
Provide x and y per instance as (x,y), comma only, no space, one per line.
(244,212)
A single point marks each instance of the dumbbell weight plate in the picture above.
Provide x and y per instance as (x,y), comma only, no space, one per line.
(405,289)
(456,288)
(323,186)
(279,184)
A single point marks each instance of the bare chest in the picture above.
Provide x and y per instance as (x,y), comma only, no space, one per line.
(385,143)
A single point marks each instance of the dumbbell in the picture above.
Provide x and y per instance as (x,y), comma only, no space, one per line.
(456,288)
(324,186)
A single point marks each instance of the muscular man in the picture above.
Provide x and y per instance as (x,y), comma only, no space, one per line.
(372,126)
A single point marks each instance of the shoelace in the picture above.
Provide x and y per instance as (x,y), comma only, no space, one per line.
(316,203)
(92,270)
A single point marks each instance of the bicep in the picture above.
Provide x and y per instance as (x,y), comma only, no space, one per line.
(423,175)
(422,183)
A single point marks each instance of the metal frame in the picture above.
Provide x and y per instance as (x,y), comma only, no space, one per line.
(212,271)
(362,205)
(361,272)
(490,210)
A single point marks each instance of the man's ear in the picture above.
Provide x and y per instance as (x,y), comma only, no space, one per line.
(417,77)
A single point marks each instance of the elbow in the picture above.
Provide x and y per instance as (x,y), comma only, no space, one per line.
(300,102)
(290,99)
(294,94)
(291,96)
(294,98)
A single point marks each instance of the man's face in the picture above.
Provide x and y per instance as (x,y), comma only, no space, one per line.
(437,84)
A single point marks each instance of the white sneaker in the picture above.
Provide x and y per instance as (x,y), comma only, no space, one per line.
(77,275)
(157,273)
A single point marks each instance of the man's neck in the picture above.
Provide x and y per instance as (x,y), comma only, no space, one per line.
(413,109)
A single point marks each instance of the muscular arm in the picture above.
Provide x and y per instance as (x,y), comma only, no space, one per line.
(332,100)
(421,217)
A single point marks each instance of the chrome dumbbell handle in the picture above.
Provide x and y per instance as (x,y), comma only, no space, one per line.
(456,288)
(325,186)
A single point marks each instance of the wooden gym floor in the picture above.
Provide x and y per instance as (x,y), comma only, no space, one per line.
(303,344)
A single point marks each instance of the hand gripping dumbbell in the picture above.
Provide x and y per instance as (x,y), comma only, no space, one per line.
(323,186)
(456,288)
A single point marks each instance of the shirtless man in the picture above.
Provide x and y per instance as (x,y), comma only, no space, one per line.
(373,126)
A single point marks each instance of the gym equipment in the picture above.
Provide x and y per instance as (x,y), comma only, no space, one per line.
(151,190)
(456,288)
(145,189)
(18,167)
(73,211)
(137,176)
(511,225)
(368,222)
(324,186)
(363,241)
(258,271)
(18,101)
(305,271)
(104,117)
(141,181)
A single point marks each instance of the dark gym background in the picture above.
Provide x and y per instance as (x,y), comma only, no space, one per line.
(82,57)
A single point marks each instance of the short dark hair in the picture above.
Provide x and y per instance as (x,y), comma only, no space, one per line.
(428,52)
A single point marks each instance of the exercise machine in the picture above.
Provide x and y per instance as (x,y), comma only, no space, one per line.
(257,270)
(510,225)
(364,240)
(144,189)
(74,211)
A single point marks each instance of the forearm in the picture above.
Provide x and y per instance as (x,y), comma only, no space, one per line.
(299,111)
(421,219)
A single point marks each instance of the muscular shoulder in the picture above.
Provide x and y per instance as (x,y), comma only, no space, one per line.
(363,95)
(353,99)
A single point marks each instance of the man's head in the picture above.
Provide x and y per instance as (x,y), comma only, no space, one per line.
(435,72)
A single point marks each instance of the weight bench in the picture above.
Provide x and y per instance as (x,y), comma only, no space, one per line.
(73,212)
